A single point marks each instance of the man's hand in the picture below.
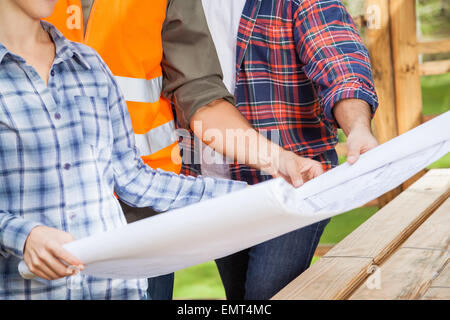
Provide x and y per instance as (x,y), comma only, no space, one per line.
(45,256)
(359,141)
(295,169)
(354,117)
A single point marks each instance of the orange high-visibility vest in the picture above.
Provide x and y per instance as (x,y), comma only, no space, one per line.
(127,35)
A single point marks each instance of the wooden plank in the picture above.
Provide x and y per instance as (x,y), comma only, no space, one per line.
(442,279)
(440,287)
(322,249)
(405,275)
(380,235)
(437,294)
(327,279)
(345,267)
(434,67)
(433,47)
(411,270)
(408,91)
(434,233)
(406,64)
(378,41)
(416,177)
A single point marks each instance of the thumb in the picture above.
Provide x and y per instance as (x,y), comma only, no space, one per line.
(295,174)
(353,153)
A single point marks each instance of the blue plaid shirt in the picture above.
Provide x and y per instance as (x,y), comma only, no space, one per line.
(64,150)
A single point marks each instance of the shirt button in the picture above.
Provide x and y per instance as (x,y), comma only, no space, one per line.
(67,166)
(57,116)
(73,216)
(52,73)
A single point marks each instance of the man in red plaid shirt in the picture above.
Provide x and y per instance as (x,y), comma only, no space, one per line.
(301,72)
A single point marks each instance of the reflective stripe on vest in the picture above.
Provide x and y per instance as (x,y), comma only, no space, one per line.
(157,138)
(149,91)
(140,90)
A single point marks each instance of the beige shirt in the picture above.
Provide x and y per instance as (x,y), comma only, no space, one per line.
(191,68)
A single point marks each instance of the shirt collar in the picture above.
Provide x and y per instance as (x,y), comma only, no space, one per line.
(65,49)
(246,26)
(3,52)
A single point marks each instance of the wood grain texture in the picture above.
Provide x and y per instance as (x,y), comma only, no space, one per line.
(434,233)
(322,249)
(442,278)
(433,47)
(406,64)
(434,67)
(413,269)
(346,267)
(437,294)
(389,227)
(440,286)
(416,177)
(407,275)
(378,41)
(408,90)
(327,279)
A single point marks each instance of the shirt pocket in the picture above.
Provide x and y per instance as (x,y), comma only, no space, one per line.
(95,121)
(275,36)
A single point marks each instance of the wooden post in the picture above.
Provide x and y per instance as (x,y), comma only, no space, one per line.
(378,41)
(408,92)
(406,64)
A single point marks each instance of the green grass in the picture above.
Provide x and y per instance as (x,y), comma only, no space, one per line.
(199,282)
(435,94)
(436,100)
(444,162)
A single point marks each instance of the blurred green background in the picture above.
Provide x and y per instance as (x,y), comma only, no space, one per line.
(203,281)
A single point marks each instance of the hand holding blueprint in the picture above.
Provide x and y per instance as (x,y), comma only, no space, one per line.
(218,227)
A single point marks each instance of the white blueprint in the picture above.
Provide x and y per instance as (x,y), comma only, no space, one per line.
(218,227)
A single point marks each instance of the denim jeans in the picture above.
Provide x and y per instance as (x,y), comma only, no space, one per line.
(161,288)
(260,272)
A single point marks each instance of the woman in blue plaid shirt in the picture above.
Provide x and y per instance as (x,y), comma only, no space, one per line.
(66,145)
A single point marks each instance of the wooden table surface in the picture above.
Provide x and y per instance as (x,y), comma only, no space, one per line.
(401,252)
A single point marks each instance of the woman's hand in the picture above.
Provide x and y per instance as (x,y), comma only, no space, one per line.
(45,256)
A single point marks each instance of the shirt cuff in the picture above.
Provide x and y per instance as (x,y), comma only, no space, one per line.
(217,187)
(350,89)
(15,231)
(197,94)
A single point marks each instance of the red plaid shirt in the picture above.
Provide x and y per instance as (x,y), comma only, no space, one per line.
(295,60)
